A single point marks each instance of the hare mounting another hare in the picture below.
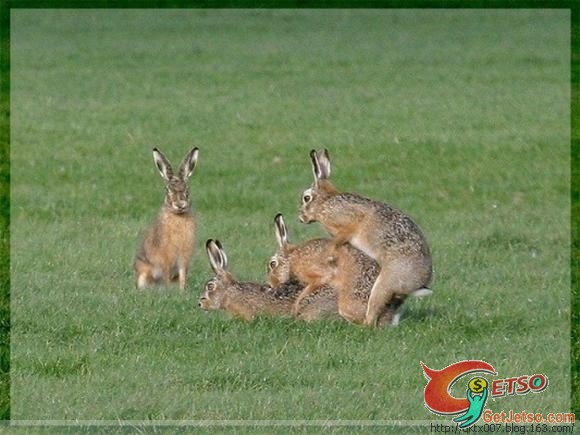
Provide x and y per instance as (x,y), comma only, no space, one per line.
(167,247)
(382,232)
(317,263)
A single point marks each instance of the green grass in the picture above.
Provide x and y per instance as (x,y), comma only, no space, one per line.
(460,118)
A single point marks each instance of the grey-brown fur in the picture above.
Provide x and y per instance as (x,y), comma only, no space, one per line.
(165,253)
(248,300)
(346,269)
(382,232)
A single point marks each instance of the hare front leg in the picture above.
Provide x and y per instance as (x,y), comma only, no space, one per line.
(182,266)
(239,309)
(182,275)
(342,234)
(307,291)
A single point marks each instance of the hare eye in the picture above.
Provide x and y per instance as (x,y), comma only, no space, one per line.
(273,264)
(210,286)
(306,198)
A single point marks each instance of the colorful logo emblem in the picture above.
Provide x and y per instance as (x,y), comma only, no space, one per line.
(439,400)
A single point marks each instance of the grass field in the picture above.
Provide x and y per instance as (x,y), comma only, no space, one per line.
(460,118)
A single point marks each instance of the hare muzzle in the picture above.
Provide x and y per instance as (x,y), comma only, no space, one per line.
(304,217)
(181,206)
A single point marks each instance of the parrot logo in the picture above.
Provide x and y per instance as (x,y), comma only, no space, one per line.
(439,400)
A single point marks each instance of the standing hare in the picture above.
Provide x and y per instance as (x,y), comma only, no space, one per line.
(166,250)
(248,300)
(347,269)
(384,233)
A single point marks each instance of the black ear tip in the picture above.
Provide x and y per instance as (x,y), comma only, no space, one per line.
(312,153)
(155,150)
(208,243)
(218,244)
(278,217)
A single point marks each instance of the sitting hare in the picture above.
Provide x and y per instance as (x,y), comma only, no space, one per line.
(166,250)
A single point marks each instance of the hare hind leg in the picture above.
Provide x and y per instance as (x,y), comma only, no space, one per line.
(385,288)
(143,274)
(391,316)
(351,308)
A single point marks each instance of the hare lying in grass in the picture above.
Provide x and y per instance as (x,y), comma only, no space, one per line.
(248,300)
(166,250)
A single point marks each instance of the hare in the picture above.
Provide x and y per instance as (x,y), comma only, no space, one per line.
(310,263)
(248,300)
(347,269)
(167,247)
(382,232)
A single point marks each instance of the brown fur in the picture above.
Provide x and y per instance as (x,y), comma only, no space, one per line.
(167,247)
(384,233)
(248,300)
(318,263)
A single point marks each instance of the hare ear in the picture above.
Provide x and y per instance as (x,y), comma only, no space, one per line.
(188,164)
(324,164)
(315,166)
(163,164)
(223,256)
(215,259)
(281,232)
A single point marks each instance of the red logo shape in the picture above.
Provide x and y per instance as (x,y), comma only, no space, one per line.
(437,392)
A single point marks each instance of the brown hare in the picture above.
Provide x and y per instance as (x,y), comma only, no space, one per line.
(248,300)
(167,247)
(382,232)
(312,264)
(347,269)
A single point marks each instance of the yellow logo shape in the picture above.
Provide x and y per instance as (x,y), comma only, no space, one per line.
(477,385)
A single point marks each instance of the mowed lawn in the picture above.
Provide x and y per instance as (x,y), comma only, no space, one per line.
(460,118)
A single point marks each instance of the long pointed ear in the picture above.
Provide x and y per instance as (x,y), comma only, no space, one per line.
(281,232)
(188,164)
(223,256)
(324,164)
(315,166)
(215,259)
(163,164)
